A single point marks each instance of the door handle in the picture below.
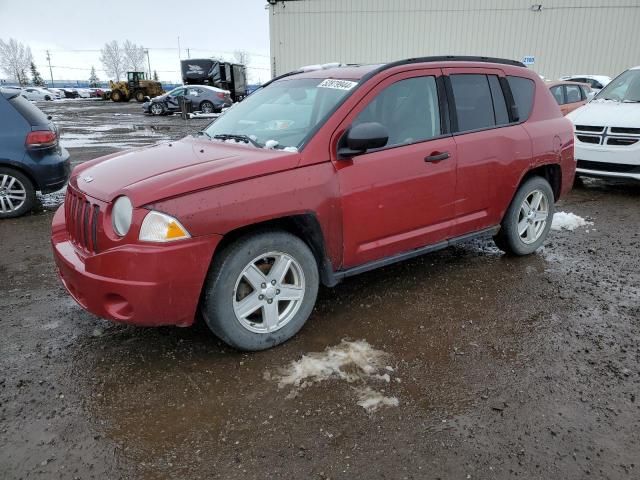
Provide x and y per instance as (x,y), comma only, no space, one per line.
(437,157)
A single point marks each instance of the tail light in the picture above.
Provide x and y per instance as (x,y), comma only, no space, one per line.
(221,95)
(41,139)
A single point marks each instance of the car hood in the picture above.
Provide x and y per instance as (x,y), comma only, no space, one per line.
(607,114)
(170,169)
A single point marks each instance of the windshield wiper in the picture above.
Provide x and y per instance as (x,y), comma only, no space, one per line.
(631,101)
(239,138)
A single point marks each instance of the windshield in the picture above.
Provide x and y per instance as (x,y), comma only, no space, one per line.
(282,114)
(625,88)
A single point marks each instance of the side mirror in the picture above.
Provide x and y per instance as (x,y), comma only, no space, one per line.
(363,137)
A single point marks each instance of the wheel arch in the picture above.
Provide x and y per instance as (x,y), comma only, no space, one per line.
(304,226)
(551,172)
(21,168)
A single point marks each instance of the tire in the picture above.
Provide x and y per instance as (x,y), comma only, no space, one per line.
(156,109)
(206,107)
(509,239)
(228,285)
(117,96)
(47,98)
(139,96)
(15,184)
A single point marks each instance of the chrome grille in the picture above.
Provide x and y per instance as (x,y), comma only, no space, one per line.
(615,136)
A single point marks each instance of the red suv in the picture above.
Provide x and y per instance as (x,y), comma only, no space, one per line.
(317,176)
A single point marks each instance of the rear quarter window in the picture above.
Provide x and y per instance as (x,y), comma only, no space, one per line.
(29,111)
(522,90)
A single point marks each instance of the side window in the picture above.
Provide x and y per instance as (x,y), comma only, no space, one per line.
(573,93)
(595,84)
(499,103)
(474,106)
(522,90)
(558,94)
(408,109)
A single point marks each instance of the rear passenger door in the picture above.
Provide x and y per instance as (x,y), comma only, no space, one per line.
(492,148)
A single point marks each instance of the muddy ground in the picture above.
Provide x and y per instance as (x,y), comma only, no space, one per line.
(503,367)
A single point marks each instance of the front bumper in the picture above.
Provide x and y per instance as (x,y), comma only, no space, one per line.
(145,285)
(608,161)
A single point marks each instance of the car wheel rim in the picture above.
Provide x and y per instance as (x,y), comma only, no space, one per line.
(268,292)
(533,216)
(13,194)
(156,109)
(206,108)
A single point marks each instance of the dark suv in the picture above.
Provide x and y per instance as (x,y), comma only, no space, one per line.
(31,157)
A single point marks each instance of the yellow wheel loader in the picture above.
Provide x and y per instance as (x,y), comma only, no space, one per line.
(136,86)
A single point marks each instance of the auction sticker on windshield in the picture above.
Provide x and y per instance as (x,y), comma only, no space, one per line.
(337,84)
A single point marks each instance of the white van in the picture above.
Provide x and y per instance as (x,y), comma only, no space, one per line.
(607,130)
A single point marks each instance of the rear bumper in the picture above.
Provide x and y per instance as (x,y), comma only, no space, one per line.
(145,285)
(49,169)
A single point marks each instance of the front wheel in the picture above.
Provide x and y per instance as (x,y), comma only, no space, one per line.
(156,109)
(260,290)
(527,222)
(139,96)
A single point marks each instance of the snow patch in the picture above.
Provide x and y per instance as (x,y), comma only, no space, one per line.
(371,400)
(568,221)
(353,362)
(52,200)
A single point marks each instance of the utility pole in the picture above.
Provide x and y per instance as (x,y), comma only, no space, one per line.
(148,62)
(50,70)
(179,57)
(188,53)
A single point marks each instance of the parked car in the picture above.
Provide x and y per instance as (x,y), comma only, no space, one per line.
(57,93)
(37,93)
(317,176)
(570,95)
(70,92)
(30,156)
(607,130)
(596,82)
(204,98)
(84,92)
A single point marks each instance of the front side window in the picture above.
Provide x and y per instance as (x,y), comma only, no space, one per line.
(285,112)
(177,92)
(474,106)
(625,88)
(408,109)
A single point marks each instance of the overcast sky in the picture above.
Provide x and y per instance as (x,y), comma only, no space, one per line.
(75,31)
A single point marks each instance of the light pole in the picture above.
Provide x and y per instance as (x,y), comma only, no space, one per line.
(50,70)
(148,62)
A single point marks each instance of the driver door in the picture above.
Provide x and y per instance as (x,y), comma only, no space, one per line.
(399,197)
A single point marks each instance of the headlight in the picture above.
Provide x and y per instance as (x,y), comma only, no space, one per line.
(121,215)
(159,227)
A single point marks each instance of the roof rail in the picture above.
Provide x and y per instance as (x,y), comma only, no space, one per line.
(439,58)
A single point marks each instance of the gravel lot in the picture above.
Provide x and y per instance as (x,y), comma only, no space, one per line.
(502,367)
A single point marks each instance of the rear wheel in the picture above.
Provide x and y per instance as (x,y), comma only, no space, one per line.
(260,290)
(140,96)
(17,193)
(206,107)
(527,222)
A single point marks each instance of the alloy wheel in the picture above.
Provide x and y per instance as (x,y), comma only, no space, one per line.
(13,194)
(533,216)
(268,292)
